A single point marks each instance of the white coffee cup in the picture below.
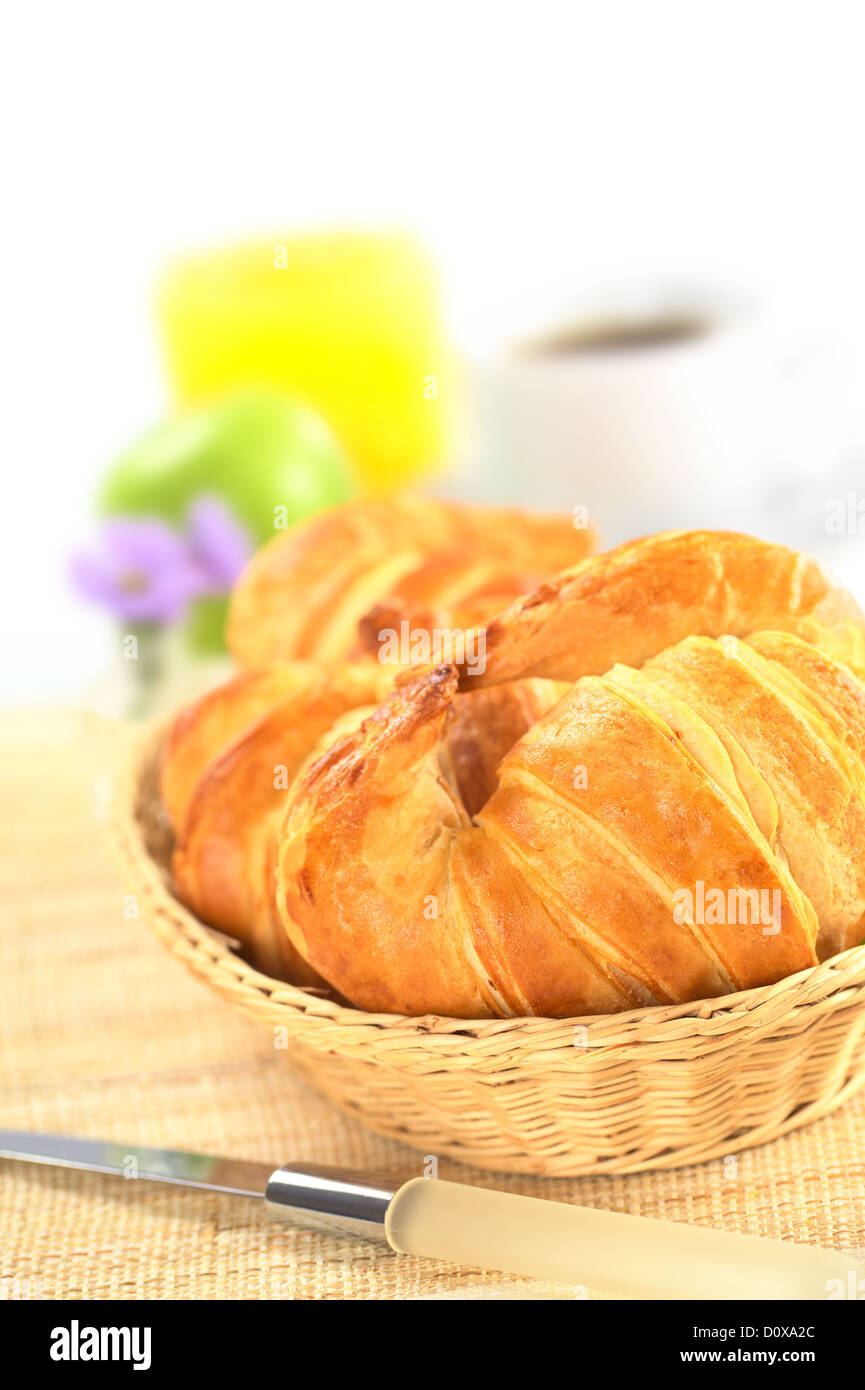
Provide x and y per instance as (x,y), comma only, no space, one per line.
(655,413)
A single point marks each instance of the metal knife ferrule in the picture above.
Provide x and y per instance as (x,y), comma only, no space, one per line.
(336,1199)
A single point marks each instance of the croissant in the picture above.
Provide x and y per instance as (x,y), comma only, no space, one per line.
(707,757)
(324,590)
(229,759)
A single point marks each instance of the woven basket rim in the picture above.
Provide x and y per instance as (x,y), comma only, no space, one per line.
(216,960)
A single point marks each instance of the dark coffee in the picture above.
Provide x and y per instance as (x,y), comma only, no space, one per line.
(619,335)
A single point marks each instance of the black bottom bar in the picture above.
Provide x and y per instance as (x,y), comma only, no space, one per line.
(255,1340)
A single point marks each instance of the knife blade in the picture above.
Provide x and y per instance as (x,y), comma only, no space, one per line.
(232,1176)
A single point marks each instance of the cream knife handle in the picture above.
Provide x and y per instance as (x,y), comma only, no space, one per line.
(627,1256)
(337,1199)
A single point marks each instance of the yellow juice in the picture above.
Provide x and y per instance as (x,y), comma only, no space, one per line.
(347,321)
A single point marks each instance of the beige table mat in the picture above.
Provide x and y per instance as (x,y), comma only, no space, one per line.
(102,1033)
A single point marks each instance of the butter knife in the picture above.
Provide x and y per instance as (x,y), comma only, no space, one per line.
(625,1256)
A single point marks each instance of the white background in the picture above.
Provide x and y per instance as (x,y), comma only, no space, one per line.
(537,147)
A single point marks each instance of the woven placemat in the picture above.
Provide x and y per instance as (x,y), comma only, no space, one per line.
(103,1034)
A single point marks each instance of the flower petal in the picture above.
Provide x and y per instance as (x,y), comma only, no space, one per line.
(221,545)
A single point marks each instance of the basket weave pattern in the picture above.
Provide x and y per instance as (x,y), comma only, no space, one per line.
(652,1088)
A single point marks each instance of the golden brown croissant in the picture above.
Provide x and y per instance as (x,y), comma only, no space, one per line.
(230,758)
(324,590)
(687,820)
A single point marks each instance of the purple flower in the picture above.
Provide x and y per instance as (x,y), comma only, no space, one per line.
(219,545)
(140,569)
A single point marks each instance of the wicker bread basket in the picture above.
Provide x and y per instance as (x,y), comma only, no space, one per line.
(652,1088)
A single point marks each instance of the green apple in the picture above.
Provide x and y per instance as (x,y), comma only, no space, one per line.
(256,449)
(269,457)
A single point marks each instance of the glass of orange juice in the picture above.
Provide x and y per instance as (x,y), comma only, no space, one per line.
(348,321)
